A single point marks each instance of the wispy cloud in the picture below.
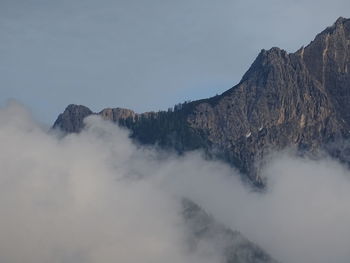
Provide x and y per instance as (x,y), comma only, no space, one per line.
(97,197)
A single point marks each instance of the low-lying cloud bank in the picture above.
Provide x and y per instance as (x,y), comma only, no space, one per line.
(97,197)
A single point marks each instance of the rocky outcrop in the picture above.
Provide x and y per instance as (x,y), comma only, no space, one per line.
(327,59)
(71,120)
(299,99)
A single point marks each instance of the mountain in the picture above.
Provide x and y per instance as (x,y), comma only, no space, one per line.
(298,100)
(234,247)
(285,99)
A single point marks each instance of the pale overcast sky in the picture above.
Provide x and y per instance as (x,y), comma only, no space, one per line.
(143,54)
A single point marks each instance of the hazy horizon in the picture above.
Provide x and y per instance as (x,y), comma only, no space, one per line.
(142,55)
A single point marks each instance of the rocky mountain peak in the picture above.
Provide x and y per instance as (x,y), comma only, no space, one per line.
(340,24)
(71,120)
(341,20)
(266,60)
(273,53)
(285,99)
(327,59)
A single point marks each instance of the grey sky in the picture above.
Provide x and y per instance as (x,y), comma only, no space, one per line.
(142,54)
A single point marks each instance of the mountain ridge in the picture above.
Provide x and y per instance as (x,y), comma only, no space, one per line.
(284,99)
(298,99)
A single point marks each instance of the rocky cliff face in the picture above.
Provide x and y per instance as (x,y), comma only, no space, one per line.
(71,120)
(300,99)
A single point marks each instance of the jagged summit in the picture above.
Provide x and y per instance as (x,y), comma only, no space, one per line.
(271,51)
(341,22)
(285,99)
(71,119)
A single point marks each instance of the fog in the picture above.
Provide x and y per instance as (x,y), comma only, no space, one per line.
(98,197)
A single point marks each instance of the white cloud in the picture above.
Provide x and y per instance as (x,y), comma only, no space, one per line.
(97,197)
(72,200)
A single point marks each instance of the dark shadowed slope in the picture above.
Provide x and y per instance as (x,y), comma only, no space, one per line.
(234,247)
(299,99)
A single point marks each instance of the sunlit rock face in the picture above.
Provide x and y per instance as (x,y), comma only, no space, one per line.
(299,99)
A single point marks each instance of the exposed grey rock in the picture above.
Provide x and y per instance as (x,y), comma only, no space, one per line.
(116,114)
(300,99)
(71,120)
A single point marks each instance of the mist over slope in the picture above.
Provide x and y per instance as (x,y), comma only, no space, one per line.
(97,197)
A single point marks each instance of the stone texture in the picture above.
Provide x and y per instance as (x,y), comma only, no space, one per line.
(71,120)
(116,114)
(300,99)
